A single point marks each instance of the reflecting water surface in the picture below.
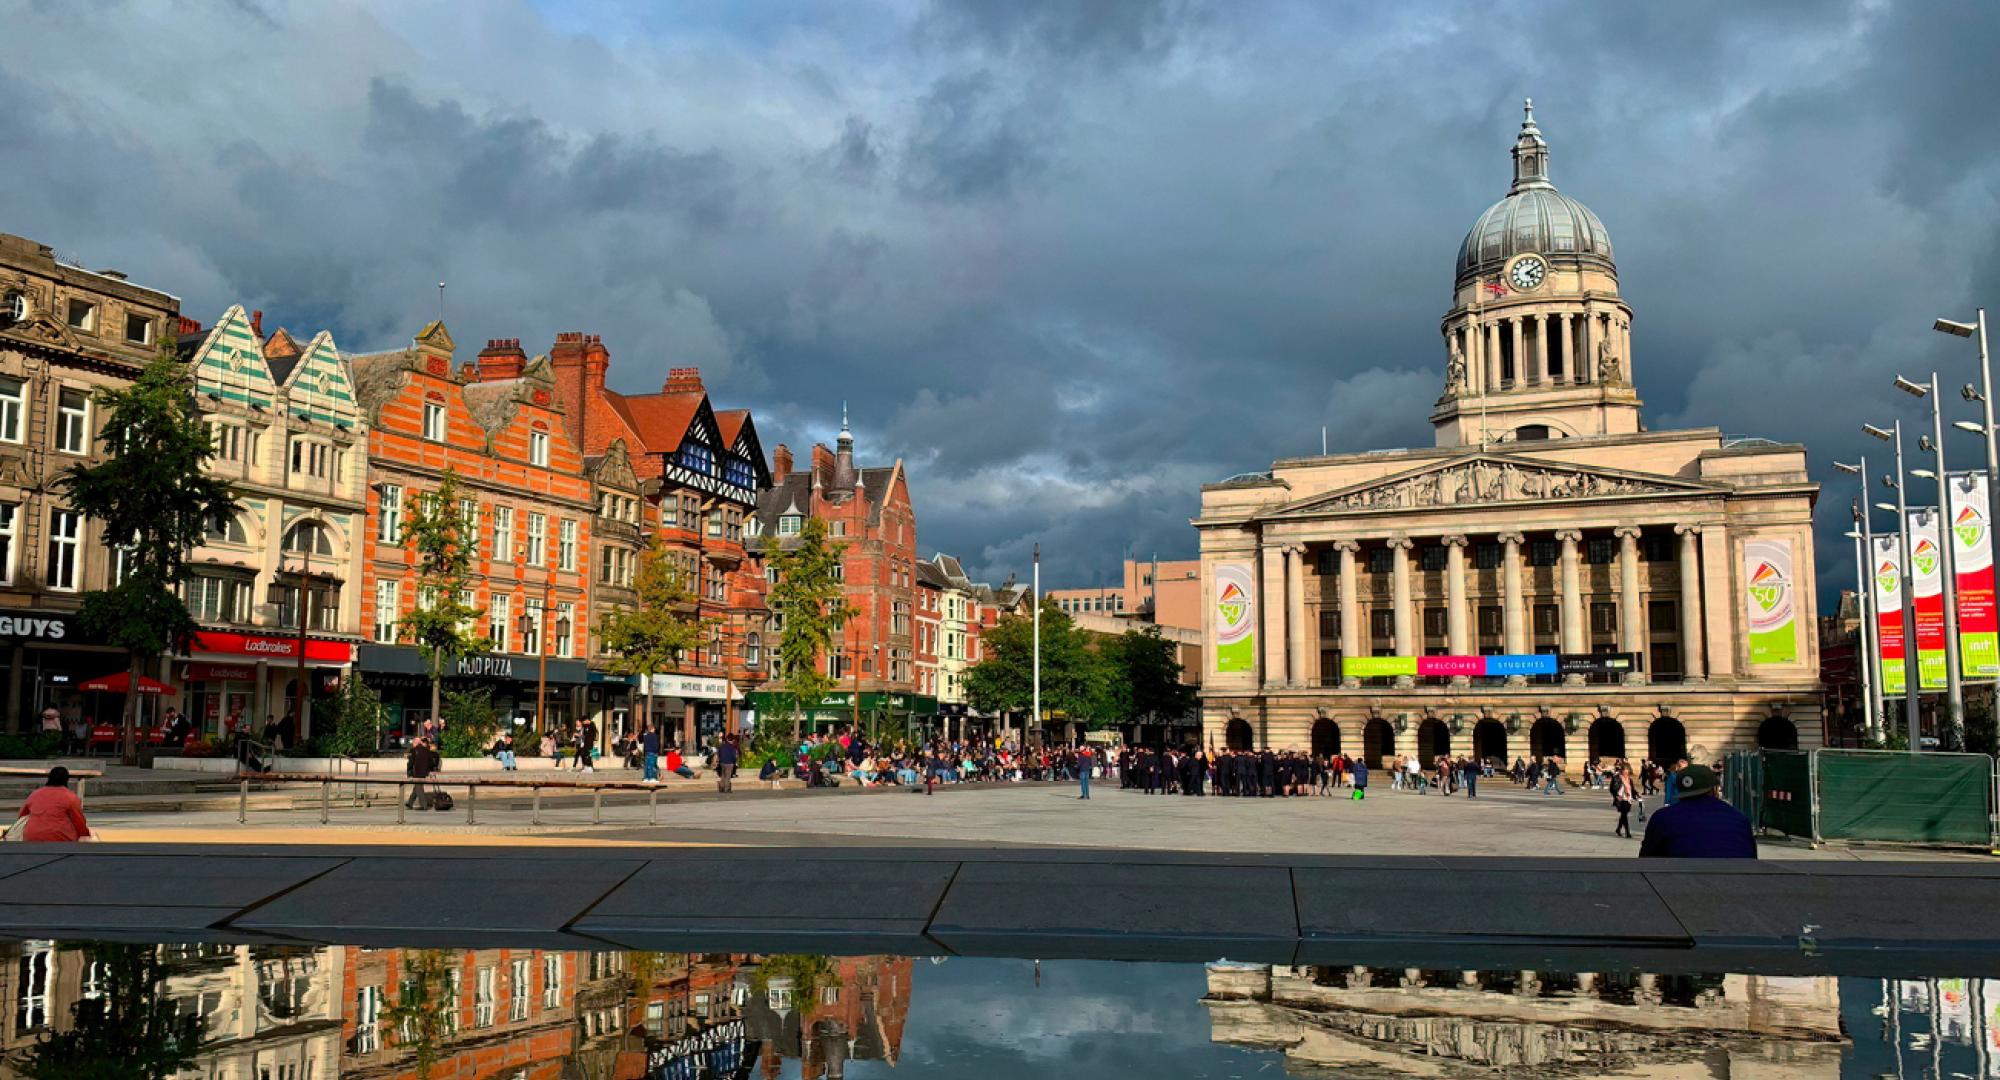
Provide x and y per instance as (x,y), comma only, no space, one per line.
(265,1012)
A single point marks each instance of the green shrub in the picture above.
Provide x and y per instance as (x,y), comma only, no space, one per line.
(357,719)
(35,744)
(468,723)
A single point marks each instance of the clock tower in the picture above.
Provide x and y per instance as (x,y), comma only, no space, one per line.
(1538,343)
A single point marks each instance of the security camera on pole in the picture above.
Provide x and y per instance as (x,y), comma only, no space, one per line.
(1912,676)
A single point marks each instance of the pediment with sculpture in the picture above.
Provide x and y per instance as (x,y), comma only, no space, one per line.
(1492,480)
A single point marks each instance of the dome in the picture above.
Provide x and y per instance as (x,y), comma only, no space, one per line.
(1534,217)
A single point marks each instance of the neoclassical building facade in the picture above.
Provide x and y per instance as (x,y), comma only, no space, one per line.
(1550,578)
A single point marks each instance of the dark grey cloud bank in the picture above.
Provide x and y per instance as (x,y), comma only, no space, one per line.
(1068,260)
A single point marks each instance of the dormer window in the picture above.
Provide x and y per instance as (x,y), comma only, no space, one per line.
(434,427)
(738,472)
(698,458)
(789,524)
(538,448)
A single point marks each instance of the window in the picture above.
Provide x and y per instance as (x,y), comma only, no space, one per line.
(753,649)
(538,448)
(552,980)
(1381,560)
(368,1020)
(1434,622)
(899,618)
(1599,550)
(226,440)
(388,605)
(1603,618)
(218,598)
(503,534)
(697,458)
(389,515)
(715,522)
(1329,624)
(498,610)
(31,1009)
(72,421)
(434,421)
(10,516)
(518,991)
(483,996)
(13,406)
(309,458)
(65,541)
(670,513)
(840,571)
(739,472)
(1486,556)
(308,538)
(565,624)
(1382,623)
(1490,622)
(1656,547)
(138,330)
(1663,617)
(1544,553)
(1548,619)
(1432,557)
(223,529)
(468,522)
(82,315)
(538,539)
(531,628)
(566,545)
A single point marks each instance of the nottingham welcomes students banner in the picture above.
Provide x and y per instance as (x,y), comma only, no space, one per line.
(1234,617)
(1927,576)
(1972,548)
(1888,574)
(1772,601)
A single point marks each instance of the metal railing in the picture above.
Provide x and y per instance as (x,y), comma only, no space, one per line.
(405,785)
(81,776)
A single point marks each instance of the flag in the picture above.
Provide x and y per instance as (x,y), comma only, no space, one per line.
(1495,288)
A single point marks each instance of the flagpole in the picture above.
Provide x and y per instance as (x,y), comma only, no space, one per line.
(1035,717)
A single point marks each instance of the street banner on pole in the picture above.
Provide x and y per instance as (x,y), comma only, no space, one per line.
(1234,618)
(1771,597)
(1972,537)
(1927,575)
(1887,565)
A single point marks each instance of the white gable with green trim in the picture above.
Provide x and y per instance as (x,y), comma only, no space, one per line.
(319,387)
(230,366)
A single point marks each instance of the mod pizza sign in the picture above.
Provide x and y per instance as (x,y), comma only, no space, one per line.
(271,647)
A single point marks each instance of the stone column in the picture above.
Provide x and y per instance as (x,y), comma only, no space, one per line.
(1401,607)
(1475,372)
(1542,349)
(1295,614)
(1457,612)
(1691,645)
(1350,603)
(1625,350)
(1586,368)
(1271,602)
(1569,348)
(1512,613)
(1520,358)
(1572,597)
(1493,356)
(1631,617)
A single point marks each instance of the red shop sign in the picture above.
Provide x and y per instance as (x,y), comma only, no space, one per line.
(272,647)
(221,672)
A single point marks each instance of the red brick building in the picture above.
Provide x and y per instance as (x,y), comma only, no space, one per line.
(499,427)
(701,470)
(867,509)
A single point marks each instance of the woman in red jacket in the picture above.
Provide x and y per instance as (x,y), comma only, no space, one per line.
(53,811)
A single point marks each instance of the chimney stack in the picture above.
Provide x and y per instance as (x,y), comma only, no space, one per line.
(781,463)
(502,358)
(822,466)
(682,380)
(257,323)
(596,362)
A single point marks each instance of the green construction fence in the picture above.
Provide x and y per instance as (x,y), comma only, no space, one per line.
(1891,796)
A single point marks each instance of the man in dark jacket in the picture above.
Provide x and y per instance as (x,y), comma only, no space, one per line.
(423,763)
(1699,825)
(725,764)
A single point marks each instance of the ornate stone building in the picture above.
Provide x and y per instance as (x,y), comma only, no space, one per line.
(1551,577)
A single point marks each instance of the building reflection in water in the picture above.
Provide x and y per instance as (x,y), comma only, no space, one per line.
(304,1013)
(1460,1023)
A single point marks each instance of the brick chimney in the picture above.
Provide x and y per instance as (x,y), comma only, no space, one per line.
(822,465)
(502,358)
(682,380)
(781,463)
(596,362)
(257,323)
(187,328)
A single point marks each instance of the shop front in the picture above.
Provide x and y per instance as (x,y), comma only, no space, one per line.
(693,711)
(399,675)
(233,680)
(49,657)
(889,716)
(608,701)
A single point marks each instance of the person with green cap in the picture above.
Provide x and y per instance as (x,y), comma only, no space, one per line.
(1699,824)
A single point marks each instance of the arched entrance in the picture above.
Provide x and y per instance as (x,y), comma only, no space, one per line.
(1433,740)
(1325,738)
(1548,739)
(1777,733)
(1489,741)
(1666,741)
(1607,739)
(1237,734)
(1378,741)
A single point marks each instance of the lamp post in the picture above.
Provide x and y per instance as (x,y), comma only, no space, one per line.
(1912,679)
(1035,598)
(538,624)
(305,606)
(1864,570)
(1983,395)
(1868,713)
(1948,547)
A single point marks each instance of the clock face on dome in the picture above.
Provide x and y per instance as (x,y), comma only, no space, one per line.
(1527,273)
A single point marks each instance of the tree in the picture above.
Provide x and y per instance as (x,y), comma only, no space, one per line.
(133,1028)
(442,544)
(152,499)
(662,628)
(1142,676)
(1072,675)
(813,602)
(357,720)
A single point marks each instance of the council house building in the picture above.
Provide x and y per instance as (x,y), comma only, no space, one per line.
(1551,578)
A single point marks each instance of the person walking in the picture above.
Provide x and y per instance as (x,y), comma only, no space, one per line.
(649,749)
(726,756)
(1359,771)
(1698,824)
(1554,769)
(1673,792)
(1086,759)
(423,762)
(54,813)
(1621,801)
(586,746)
(1470,771)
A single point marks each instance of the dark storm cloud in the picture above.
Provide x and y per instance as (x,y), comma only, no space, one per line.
(1069,261)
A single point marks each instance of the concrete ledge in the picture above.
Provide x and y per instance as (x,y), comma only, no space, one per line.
(1889,919)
